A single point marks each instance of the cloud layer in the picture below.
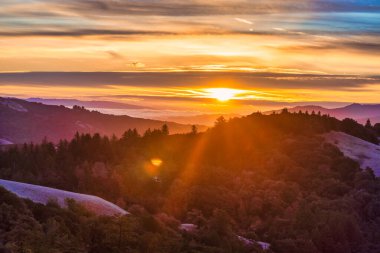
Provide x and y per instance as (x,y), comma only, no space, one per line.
(312,49)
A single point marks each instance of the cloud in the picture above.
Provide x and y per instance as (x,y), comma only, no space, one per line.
(175,17)
(218,7)
(176,35)
(256,102)
(179,8)
(80,32)
(344,45)
(363,46)
(245,21)
(190,80)
(115,55)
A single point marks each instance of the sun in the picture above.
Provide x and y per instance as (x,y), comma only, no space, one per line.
(222,94)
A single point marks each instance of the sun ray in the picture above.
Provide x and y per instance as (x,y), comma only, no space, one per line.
(177,195)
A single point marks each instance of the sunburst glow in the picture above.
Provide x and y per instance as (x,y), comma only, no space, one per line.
(223,94)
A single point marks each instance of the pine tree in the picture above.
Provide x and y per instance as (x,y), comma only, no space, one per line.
(368,124)
(220,121)
(194,129)
(165,129)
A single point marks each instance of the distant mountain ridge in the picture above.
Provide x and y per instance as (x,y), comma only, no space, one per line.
(203,119)
(23,121)
(87,104)
(358,112)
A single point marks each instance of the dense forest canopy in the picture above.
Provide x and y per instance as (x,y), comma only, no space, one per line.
(268,178)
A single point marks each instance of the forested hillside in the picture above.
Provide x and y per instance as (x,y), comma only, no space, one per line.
(23,121)
(268,178)
(359,112)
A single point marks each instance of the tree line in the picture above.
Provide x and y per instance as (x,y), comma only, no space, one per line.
(268,178)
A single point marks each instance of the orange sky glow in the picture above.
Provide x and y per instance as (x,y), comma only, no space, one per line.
(320,51)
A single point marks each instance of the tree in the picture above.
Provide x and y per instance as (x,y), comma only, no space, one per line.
(165,129)
(368,124)
(148,132)
(220,121)
(130,134)
(79,108)
(285,111)
(194,130)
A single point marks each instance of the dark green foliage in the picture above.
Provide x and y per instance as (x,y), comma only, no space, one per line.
(351,127)
(376,129)
(267,178)
(368,124)
(47,229)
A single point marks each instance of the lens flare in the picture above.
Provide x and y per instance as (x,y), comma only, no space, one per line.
(156,162)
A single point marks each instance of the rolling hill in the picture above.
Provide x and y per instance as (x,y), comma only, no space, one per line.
(358,112)
(43,195)
(23,121)
(259,178)
(87,104)
(365,153)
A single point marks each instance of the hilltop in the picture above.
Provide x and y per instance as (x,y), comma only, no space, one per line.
(365,153)
(86,104)
(359,112)
(23,121)
(43,195)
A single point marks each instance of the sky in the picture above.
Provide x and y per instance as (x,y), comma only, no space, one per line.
(168,54)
